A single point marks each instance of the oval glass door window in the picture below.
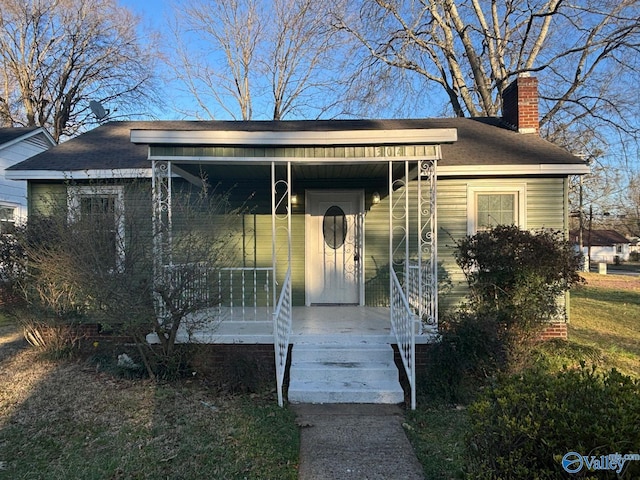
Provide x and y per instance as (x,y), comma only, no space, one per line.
(334,227)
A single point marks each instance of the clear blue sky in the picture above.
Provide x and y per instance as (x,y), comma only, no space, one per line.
(150,11)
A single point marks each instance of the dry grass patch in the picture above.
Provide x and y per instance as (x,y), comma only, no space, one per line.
(65,420)
(613,282)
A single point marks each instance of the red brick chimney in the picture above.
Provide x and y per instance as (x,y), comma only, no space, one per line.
(520,104)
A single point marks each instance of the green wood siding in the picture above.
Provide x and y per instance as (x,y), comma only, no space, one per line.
(45,198)
(545,208)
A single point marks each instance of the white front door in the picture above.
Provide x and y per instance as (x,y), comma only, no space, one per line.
(333,232)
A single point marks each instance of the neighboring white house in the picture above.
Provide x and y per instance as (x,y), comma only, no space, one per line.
(607,246)
(16,145)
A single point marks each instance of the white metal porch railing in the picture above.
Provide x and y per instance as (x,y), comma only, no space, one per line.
(188,286)
(245,292)
(282,332)
(421,294)
(403,325)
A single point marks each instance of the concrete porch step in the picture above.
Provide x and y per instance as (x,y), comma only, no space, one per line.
(344,373)
(343,352)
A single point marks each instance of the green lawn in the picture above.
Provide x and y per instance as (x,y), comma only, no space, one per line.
(604,329)
(608,319)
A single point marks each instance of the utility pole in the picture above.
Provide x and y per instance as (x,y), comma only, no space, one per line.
(589,235)
(585,265)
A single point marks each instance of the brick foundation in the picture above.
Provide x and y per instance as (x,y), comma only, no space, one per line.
(209,357)
(555,330)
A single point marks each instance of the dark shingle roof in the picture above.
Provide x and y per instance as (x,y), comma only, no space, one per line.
(11,133)
(480,142)
(599,238)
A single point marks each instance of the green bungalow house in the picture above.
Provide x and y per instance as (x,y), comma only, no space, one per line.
(352,226)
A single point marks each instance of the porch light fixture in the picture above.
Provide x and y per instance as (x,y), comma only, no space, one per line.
(375,198)
(294,199)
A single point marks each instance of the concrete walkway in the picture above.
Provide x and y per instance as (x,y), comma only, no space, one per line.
(351,441)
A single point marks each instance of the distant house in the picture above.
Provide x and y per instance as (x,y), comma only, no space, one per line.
(16,145)
(351,226)
(607,246)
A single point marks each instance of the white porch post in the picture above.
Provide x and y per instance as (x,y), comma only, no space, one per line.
(399,222)
(280,202)
(161,192)
(403,319)
(428,242)
(161,199)
(282,320)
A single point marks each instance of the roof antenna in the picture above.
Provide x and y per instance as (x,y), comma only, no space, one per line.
(98,110)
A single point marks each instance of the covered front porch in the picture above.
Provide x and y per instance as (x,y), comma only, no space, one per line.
(350,214)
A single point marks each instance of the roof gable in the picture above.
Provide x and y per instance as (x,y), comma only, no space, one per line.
(12,135)
(600,238)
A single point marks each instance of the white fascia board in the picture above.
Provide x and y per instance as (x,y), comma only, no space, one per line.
(78,174)
(295,160)
(491,170)
(311,138)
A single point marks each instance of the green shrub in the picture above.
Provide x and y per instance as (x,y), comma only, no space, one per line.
(470,350)
(515,279)
(523,426)
(516,275)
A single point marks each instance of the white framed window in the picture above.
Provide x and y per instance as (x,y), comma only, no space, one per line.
(8,217)
(491,205)
(101,208)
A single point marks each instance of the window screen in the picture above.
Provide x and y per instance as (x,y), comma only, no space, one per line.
(495,209)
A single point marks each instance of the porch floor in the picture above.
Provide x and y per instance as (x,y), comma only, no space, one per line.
(317,324)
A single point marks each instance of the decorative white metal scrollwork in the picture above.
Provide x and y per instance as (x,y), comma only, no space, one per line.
(282,317)
(426,299)
(161,198)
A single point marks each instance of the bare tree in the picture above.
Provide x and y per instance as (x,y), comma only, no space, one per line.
(257,58)
(58,55)
(584,53)
(90,259)
(215,53)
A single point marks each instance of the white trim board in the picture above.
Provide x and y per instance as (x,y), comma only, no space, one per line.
(78,174)
(312,138)
(498,170)
(442,171)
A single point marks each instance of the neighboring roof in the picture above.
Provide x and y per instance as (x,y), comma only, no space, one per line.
(599,238)
(12,134)
(481,142)
(8,134)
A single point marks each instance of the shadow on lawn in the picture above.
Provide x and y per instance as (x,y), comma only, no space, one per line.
(65,419)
